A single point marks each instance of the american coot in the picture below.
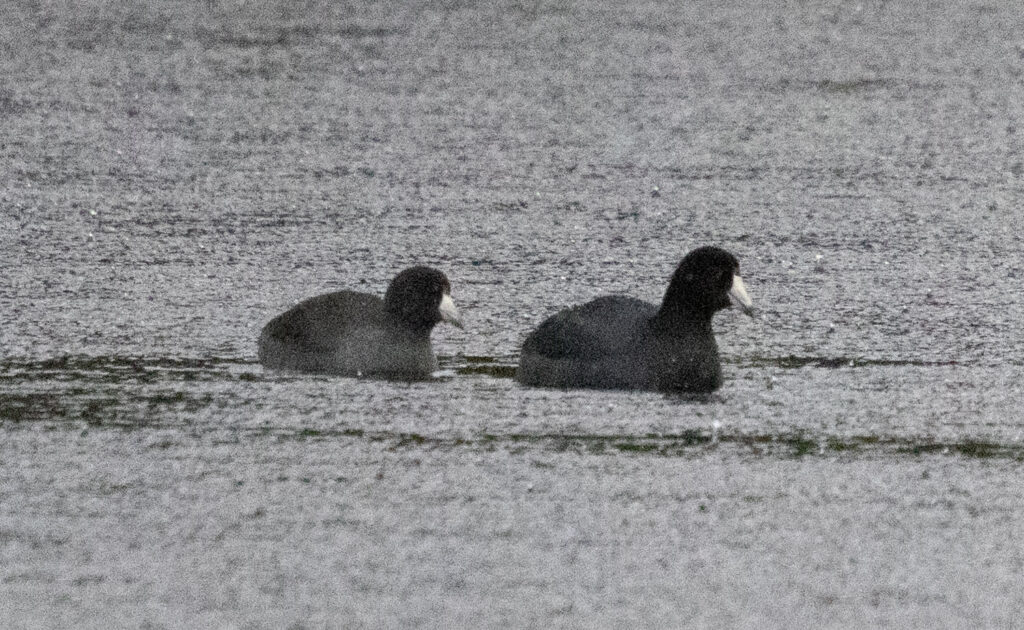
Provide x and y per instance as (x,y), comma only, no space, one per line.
(354,334)
(618,342)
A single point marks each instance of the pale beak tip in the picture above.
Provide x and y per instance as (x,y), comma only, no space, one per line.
(738,294)
(449,313)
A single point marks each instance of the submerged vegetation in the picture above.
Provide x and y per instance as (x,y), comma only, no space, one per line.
(132,393)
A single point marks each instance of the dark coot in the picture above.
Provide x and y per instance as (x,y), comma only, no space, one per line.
(355,334)
(618,342)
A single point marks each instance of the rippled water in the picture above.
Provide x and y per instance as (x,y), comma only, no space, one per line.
(177,175)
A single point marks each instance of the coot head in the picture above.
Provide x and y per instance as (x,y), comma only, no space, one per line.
(707,280)
(420,297)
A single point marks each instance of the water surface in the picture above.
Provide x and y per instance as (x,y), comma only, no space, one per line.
(176,175)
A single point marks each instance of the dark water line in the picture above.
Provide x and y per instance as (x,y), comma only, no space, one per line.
(495,366)
(680,444)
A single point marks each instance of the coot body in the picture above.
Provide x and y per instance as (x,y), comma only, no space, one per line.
(355,334)
(619,342)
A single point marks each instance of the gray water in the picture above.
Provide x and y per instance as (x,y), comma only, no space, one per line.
(176,175)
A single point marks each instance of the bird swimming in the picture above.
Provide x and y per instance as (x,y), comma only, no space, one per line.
(620,342)
(355,334)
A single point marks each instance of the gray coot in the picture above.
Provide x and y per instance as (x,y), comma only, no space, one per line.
(355,334)
(619,342)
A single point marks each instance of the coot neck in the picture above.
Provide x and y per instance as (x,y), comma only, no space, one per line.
(677,318)
(684,308)
(413,328)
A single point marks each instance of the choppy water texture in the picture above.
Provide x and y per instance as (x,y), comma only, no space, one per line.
(176,173)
